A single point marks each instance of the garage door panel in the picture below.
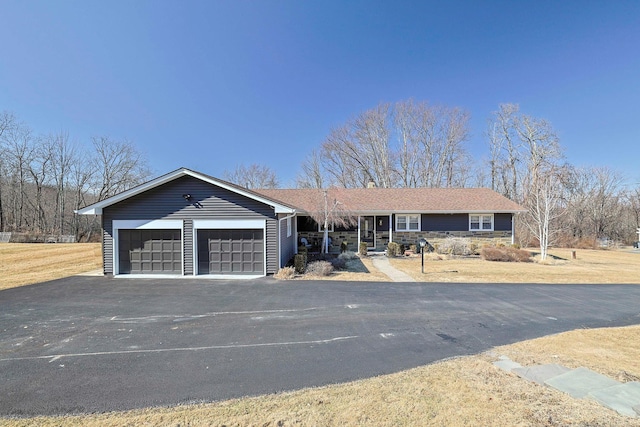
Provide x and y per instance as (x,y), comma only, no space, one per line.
(230,251)
(150,251)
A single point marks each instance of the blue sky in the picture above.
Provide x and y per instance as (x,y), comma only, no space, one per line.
(212,84)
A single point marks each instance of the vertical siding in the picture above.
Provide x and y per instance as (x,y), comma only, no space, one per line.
(187,247)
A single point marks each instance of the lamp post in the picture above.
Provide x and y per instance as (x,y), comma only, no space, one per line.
(423,243)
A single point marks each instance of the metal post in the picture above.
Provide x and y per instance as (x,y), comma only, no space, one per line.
(423,244)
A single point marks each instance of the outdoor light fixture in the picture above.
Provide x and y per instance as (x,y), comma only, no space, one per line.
(422,243)
(187,196)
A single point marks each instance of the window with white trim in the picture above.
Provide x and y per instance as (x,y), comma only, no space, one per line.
(407,222)
(289,227)
(321,228)
(482,222)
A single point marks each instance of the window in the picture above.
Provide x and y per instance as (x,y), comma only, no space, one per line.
(481,222)
(407,222)
(289,227)
(321,228)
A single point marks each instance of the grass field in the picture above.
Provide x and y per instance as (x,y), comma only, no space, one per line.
(590,266)
(467,391)
(27,263)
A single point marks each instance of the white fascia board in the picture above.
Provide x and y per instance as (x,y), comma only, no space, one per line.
(229,224)
(96,208)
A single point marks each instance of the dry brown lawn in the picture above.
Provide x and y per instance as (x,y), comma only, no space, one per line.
(467,391)
(590,266)
(27,263)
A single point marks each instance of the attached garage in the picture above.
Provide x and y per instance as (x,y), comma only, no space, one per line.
(187,224)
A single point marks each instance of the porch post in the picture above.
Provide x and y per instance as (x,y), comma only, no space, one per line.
(390,228)
(358,234)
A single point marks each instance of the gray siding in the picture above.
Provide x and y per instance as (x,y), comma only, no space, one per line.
(287,244)
(445,222)
(460,222)
(107,247)
(207,202)
(187,233)
(502,222)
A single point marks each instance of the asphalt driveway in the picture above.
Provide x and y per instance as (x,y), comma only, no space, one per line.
(90,344)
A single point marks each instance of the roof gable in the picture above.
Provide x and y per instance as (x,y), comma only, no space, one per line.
(96,208)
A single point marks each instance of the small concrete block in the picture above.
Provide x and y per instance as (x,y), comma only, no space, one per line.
(580,382)
(506,364)
(540,373)
(620,398)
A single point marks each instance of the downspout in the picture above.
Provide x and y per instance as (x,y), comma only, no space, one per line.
(280,236)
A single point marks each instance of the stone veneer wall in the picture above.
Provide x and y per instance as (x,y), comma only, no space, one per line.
(408,238)
(435,237)
(337,237)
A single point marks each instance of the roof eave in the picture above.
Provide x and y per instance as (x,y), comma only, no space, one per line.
(96,208)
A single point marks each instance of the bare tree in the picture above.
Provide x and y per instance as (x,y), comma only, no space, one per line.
(63,158)
(596,204)
(81,175)
(7,124)
(330,212)
(118,165)
(19,148)
(544,203)
(253,176)
(312,174)
(408,144)
(39,168)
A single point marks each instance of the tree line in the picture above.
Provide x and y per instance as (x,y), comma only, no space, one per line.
(415,144)
(45,177)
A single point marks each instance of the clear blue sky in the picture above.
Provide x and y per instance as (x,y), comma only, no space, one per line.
(211,84)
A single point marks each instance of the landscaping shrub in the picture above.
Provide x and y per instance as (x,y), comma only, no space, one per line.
(455,246)
(319,268)
(348,255)
(362,249)
(300,262)
(393,249)
(503,254)
(338,263)
(285,273)
(414,248)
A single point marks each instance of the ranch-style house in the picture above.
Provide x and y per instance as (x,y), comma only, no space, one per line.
(186,223)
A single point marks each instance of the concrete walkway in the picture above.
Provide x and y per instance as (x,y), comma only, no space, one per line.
(581,383)
(381,262)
